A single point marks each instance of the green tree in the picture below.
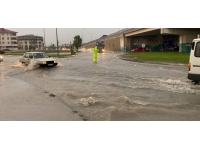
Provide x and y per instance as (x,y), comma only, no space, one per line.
(30,47)
(77,41)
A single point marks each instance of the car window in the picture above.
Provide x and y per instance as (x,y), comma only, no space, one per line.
(45,55)
(40,55)
(197,50)
(26,55)
(30,56)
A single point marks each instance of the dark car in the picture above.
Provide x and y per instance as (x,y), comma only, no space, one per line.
(169,48)
(139,49)
(6,49)
(2,51)
(169,45)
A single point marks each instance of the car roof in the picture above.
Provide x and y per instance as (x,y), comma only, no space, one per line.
(198,39)
(34,52)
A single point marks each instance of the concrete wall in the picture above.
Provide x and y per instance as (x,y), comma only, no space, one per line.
(154,42)
(152,37)
(89,45)
(186,35)
(147,40)
(112,43)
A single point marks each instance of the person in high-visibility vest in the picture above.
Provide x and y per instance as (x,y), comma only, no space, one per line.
(74,50)
(95,53)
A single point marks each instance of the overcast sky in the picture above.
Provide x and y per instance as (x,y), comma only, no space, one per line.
(65,35)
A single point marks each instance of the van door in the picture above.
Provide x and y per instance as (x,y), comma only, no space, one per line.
(195,58)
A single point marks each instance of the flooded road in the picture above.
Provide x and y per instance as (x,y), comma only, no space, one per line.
(112,89)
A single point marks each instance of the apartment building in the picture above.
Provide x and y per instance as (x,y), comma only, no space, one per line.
(30,41)
(8,39)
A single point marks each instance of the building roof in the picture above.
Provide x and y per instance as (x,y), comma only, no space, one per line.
(2,30)
(29,36)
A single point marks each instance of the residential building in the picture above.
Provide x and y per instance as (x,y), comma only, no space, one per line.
(64,47)
(30,41)
(8,39)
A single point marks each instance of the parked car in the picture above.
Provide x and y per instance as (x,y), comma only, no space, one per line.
(139,49)
(2,51)
(169,45)
(40,58)
(6,49)
(169,48)
(1,58)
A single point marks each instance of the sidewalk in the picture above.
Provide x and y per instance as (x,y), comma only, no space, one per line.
(20,101)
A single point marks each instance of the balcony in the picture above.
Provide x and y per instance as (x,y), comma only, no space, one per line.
(14,44)
(13,35)
(14,39)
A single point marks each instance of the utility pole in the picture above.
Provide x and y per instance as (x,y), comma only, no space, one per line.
(44,40)
(71,49)
(91,36)
(0,40)
(57,42)
(82,34)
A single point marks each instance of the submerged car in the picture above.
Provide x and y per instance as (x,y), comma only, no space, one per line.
(40,58)
(139,49)
(1,58)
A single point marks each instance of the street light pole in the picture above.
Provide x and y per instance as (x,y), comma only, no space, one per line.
(57,42)
(91,36)
(44,40)
(82,34)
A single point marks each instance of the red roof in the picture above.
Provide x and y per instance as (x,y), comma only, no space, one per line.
(2,30)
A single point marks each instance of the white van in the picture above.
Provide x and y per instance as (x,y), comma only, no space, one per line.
(194,62)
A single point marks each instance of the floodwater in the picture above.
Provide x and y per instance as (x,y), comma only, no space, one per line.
(112,89)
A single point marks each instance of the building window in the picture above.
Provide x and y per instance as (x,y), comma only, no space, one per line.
(2,38)
(8,38)
(3,42)
(8,43)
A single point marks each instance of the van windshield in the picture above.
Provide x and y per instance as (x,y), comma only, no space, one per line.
(197,50)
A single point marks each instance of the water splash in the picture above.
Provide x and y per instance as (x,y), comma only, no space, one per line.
(32,65)
(177,86)
(17,64)
(59,64)
(88,101)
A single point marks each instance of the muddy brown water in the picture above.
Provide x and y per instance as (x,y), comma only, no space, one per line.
(112,89)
